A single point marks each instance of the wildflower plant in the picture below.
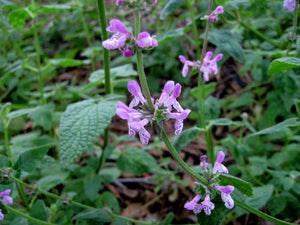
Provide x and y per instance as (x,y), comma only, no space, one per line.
(68,183)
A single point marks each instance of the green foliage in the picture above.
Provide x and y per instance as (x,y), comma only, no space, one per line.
(170,7)
(241,185)
(137,161)
(99,216)
(282,64)
(186,137)
(81,124)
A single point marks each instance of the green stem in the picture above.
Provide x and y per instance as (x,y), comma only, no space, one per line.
(140,64)
(261,214)
(294,34)
(38,56)
(106,58)
(35,220)
(177,157)
(22,193)
(201,97)
(130,219)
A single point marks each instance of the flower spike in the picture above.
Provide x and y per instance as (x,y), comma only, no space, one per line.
(219,167)
(225,195)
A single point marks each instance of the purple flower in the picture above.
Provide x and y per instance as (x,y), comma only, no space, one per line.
(225,195)
(179,117)
(127,52)
(154,1)
(204,162)
(213,17)
(193,204)
(136,124)
(290,5)
(209,66)
(134,88)
(121,34)
(1,215)
(219,167)
(207,205)
(146,41)
(119,2)
(186,64)
(6,199)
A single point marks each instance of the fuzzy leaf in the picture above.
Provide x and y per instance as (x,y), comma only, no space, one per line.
(99,216)
(17,18)
(284,63)
(80,125)
(186,137)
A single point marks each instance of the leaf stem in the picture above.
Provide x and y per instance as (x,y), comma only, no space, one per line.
(295,22)
(6,137)
(30,218)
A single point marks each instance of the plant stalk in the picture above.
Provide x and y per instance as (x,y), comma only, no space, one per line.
(140,64)
(6,137)
(106,59)
(295,23)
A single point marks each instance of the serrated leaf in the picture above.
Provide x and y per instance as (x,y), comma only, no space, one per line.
(292,122)
(81,124)
(68,62)
(170,7)
(241,185)
(281,64)
(99,216)
(186,137)
(137,161)
(228,42)
(120,71)
(17,18)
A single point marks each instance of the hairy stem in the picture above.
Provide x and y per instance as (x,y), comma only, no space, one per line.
(140,64)
(106,58)
(6,137)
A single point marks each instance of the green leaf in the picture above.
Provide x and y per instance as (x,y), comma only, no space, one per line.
(170,7)
(261,196)
(17,18)
(277,204)
(92,185)
(53,8)
(244,100)
(81,124)
(227,42)
(170,35)
(50,181)
(281,64)
(120,71)
(99,216)
(20,112)
(168,219)
(39,211)
(186,137)
(107,199)
(109,175)
(42,116)
(136,161)
(68,62)
(292,122)
(208,89)
(222,122)
(241,185)
(30,160)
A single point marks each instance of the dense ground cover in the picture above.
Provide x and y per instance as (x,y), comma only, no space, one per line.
(67,158)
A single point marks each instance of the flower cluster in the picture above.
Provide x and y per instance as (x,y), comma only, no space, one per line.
(166,107)
(6,200)
(213,17)
(290,5)
(123,40)
(207,67)
(206,205)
